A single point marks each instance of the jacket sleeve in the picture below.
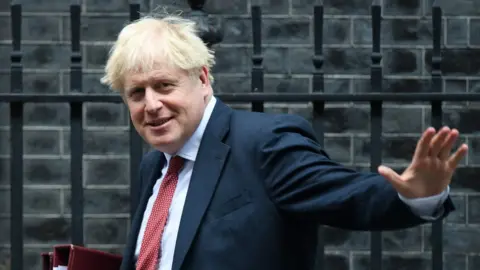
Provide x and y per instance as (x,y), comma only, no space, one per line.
(304,182)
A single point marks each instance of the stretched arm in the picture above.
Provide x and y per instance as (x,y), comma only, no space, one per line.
(303,181)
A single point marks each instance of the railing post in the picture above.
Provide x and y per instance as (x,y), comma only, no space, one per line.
(318,84)
(318,108)
(257,57)
(436,111)
(16,142)
(136,142)
(76,129)
(376,113)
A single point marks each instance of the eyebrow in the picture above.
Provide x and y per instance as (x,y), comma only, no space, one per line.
(154,78)
(162,77)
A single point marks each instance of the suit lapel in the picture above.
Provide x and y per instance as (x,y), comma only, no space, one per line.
(152,172)
(206,172)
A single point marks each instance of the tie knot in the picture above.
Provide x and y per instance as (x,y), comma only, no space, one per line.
(176,164)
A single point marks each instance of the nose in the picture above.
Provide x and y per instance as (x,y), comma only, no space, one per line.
(152,100)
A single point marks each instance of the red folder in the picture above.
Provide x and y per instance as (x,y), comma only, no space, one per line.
(74,257)
(47,260)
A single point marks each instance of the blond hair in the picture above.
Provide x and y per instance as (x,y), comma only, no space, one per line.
(148,42)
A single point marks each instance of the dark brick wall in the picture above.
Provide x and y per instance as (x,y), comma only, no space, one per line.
(287,36)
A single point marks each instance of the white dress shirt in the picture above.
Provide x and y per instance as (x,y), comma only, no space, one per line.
(189,153)
(423,207)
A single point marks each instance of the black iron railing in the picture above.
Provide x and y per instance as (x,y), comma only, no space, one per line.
(257,98)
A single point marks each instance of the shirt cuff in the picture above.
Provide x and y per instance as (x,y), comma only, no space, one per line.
(428,208)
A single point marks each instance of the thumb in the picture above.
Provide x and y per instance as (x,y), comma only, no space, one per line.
(393,177)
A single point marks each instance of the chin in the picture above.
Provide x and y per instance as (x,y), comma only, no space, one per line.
(162,143)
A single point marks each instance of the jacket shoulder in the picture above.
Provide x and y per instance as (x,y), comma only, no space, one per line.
(264,124)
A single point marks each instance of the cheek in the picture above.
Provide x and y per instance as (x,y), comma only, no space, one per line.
(136,113)
(193,114)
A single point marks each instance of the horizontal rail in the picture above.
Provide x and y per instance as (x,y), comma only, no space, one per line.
(260,97)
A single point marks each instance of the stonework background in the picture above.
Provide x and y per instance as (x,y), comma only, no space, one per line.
(287,36)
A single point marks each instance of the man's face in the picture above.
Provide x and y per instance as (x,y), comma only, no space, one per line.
(166,105)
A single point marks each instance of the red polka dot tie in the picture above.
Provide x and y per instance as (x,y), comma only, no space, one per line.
(148,258)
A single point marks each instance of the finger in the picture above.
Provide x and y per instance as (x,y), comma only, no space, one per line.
(393,177)
(455,159)
(438,141)
(448,145)
(423,144)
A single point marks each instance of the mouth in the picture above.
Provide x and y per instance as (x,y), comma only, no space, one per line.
(158,122)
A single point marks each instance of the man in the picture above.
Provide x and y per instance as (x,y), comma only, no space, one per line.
(227,189)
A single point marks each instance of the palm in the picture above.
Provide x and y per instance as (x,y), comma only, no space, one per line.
(432,165)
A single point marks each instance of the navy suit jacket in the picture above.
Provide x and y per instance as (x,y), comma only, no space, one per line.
(260,187)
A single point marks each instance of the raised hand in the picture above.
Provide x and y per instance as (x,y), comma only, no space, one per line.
(432,167)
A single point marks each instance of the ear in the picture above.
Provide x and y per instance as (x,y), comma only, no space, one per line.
(204,76)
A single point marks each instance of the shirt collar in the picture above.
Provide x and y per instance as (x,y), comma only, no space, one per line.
(190,148)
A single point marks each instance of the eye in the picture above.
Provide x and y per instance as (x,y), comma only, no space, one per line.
(136,91)
(164,87)
(161,85)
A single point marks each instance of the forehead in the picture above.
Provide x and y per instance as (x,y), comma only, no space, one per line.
(155,74)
